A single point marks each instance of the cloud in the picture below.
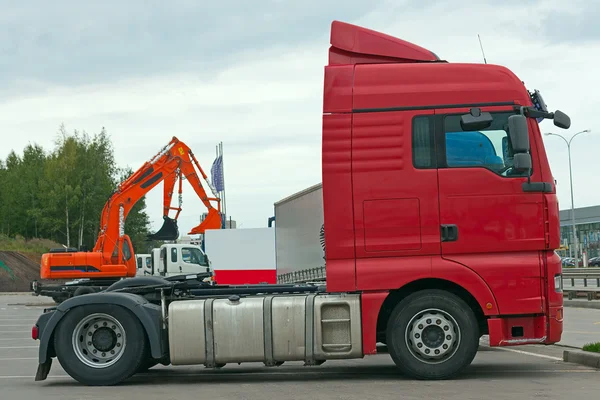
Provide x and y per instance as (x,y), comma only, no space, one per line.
(82,42)
(252,75)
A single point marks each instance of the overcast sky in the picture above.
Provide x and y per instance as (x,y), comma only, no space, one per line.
(250,74)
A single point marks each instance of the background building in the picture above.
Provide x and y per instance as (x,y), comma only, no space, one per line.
(587,226)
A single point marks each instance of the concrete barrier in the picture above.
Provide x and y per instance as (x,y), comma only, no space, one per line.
(581,357)
(594,304)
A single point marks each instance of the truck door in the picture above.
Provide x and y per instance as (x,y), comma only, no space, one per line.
(155,261)
(148,265)
(488,223)
(163,262)
(174,262)
(140,265)
(395,184)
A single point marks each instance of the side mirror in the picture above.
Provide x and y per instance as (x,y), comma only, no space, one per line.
(522,162)
(476,120)
(562,120)
(519,134)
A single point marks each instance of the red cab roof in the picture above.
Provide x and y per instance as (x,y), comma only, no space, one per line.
(351,44)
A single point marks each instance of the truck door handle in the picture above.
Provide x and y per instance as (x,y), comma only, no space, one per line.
(449,233)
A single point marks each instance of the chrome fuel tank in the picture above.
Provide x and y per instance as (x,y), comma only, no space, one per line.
(270,329)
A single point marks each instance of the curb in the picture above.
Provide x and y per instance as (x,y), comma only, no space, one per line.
(581,357)
(15,293)
(594,304)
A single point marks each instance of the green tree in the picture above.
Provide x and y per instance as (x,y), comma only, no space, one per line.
(32,170)
(60,194)
(138,221)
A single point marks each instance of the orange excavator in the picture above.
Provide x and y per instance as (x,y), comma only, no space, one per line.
(113,255)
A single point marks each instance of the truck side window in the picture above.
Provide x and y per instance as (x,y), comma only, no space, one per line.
(423,148)
(139,262)
(193,256)
(174,254)
(488,148)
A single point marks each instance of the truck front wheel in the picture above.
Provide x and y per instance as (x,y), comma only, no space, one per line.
(100,344)
(432,334)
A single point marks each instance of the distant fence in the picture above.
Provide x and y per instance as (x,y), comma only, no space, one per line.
(304,276)
(581,282)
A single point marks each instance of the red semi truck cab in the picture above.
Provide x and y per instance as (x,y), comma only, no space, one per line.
(428,185)
(440,225)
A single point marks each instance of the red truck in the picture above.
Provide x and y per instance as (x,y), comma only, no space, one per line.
(441,221)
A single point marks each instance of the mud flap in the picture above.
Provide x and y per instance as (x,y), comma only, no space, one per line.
(169,230)
(43,370)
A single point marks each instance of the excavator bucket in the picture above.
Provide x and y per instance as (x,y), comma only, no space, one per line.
(212,221)
(169,230)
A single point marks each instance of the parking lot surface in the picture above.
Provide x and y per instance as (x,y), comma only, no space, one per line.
(523,372)
(581,326)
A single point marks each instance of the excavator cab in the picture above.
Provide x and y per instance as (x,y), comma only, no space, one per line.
(168,231)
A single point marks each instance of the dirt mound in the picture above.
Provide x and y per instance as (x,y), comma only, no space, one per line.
(17,271)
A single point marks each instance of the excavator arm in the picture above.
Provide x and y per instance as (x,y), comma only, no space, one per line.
(112,255)
(169,230)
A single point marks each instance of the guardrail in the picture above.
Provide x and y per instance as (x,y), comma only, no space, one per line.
(581,274)
(304,276)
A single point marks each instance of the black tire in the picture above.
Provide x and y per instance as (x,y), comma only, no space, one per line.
(135,348)
(460,352)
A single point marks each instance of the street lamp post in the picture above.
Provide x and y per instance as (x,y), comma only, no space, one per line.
(568,142)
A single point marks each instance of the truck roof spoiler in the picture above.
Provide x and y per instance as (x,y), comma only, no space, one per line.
(352,44)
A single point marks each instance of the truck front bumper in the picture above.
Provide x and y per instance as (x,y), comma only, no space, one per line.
(515,331)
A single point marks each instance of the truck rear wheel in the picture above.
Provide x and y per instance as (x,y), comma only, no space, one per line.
(432,334)
(100,344)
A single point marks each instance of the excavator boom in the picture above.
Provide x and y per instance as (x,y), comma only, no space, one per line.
(113,255)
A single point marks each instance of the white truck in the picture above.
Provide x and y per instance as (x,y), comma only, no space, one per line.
(178,259)
(169,260)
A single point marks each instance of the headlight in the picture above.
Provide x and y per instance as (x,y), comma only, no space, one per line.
(558,285)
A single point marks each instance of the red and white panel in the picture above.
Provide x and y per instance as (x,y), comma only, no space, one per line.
(242,256)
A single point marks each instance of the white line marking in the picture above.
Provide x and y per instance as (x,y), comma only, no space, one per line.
(527,353)
(16,338)
(16,326)
(22,313)
(15,329)
(18,358)
(15,332)
(20,347)
(17,319)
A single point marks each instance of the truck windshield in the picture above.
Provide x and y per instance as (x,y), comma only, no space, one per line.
(489,148)
(193,256)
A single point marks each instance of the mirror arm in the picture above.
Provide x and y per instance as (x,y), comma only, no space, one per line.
(533,113)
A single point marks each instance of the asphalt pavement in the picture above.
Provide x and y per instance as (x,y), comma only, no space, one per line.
(522,372)
(581,326)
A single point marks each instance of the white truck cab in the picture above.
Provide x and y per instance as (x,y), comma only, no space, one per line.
(178,259)
(144,264)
